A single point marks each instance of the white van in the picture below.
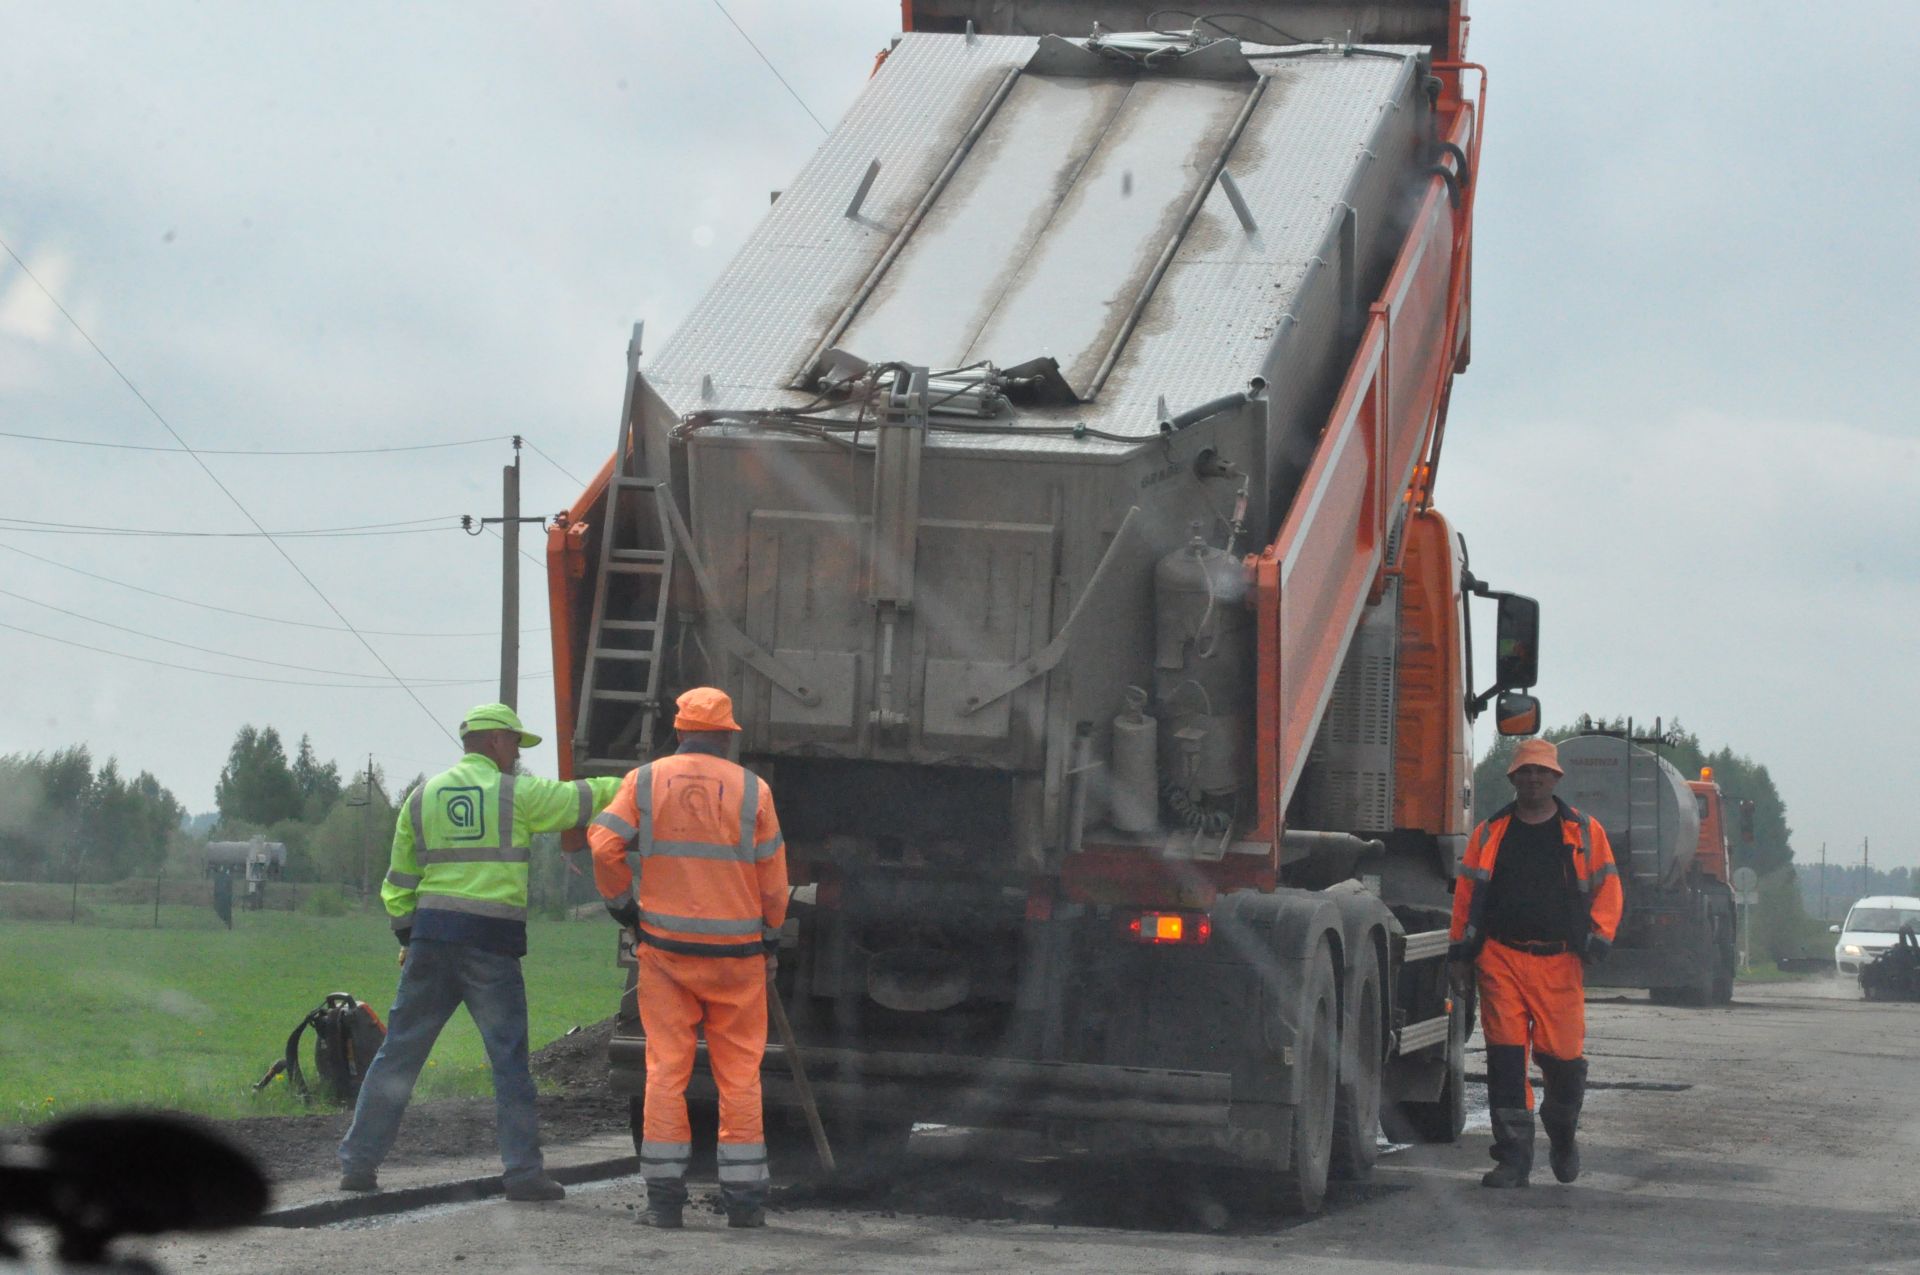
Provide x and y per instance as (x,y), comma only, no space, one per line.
(1872,926)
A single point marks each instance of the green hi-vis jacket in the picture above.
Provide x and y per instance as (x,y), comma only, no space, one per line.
(461,846)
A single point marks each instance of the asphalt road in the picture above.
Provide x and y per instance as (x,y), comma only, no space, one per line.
(1779,1134)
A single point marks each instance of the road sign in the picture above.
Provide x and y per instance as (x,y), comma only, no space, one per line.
(1746,881)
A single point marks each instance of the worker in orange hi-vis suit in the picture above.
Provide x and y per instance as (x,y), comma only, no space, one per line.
(712,894)
(1537,901)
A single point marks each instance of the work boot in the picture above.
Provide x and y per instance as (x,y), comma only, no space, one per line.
(359,1180)
(744,1209)
(665,1200)
(1512,1148)
(539,1189)
(1566,1083)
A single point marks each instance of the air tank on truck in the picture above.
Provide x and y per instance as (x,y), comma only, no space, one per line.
(1049,481)
(1678,934)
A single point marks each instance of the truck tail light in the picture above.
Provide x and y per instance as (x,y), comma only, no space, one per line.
(1170,927)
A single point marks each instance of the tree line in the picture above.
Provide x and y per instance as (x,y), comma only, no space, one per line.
(337,828)
(62,818)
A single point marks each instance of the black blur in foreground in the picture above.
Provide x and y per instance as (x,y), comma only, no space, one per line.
(96,1178)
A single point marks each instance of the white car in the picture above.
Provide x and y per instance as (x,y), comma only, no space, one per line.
(1872,926)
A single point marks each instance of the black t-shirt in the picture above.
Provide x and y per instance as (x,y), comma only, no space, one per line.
(1529,899)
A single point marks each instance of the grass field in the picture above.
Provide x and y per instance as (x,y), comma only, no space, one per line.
(189,1018)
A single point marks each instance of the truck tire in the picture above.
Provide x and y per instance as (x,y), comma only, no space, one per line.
(1303,1179)
(1690,997)
(1356,1111)
(1445,1118)
(1724,958)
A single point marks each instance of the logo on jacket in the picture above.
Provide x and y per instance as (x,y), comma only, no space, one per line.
(464,810)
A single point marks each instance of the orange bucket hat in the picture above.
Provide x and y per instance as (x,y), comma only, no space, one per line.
(1536,752)
(705,708)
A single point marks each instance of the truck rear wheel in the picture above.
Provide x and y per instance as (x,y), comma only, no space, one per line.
(1445,1118)
(1724,958)
(1303,1187)
(1356,1115)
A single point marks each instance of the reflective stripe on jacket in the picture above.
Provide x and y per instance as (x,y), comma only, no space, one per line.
(1595,876)
(463,839)
(712,864)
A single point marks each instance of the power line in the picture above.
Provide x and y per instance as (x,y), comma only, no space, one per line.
(255,451)
(397,684)
(535,448)
(410,527)
(215,479)
(251,615)
(228,655)
(771,67)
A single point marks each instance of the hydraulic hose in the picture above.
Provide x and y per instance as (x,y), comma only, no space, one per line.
(1214,406)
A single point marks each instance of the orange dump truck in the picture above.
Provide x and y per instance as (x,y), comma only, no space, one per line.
(1049,480)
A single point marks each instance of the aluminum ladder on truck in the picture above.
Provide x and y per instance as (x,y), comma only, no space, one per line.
(633,587)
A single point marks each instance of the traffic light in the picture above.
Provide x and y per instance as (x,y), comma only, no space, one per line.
(1746,822)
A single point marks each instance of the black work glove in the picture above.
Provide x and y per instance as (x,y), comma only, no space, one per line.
(1459,975)
(405,936)
(627,913)
(1595,951)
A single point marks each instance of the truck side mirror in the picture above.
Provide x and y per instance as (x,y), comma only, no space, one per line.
(1517,714)
(1516,644)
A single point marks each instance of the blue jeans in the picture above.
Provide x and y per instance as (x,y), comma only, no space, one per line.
(436,980)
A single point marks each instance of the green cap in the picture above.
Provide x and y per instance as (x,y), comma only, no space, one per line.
(497,717)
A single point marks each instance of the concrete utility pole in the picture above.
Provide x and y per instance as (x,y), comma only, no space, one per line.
(509,521)
(1823,880)
(1866,873)
(510,580)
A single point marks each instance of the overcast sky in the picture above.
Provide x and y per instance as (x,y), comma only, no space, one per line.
(1689,427)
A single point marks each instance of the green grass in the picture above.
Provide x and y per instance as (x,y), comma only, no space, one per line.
(189,1018)
(1773,974)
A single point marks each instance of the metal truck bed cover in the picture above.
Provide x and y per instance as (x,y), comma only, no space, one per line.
(1027,207)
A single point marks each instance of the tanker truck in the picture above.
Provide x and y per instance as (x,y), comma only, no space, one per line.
(1678,935)
(1048,479)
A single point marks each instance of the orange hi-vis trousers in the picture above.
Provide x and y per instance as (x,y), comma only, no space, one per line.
(1528,1001)
(727,995)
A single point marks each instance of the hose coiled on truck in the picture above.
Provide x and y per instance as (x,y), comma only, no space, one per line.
(1195,813)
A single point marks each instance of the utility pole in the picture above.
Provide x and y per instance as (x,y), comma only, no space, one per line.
(509,521)
(1866,873)
(510,580)
(366,831)
(366,838)
(1823,880)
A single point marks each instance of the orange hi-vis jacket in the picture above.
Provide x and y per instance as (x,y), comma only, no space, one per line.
(712,864)
(1595,876)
